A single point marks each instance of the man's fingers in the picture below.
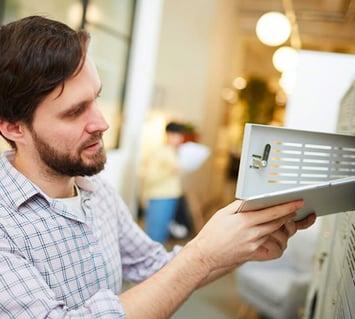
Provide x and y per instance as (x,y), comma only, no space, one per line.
(232,208)
(289,228)
(272,247)
(306,222)
(267,229)
(273,213)
(280,237)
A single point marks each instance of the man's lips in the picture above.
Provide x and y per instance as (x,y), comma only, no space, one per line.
(93,146)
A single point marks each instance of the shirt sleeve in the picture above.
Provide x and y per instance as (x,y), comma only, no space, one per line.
(26,295)
(141,256)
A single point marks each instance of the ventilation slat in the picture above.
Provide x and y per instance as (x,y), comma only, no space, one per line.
(296,157)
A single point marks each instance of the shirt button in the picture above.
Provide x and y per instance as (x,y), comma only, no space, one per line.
(87,202)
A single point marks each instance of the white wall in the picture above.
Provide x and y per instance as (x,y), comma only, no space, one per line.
(321,81)
(197,58)
(183,57)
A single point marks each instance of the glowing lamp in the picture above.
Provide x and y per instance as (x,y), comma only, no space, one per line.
(273,28)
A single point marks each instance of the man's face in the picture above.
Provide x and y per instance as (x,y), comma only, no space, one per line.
(66,132)
(175,139)
(71,163)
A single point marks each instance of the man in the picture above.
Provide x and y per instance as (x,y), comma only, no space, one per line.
(162,185)
(66,239)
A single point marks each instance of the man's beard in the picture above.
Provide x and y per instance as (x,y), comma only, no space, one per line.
(67,165)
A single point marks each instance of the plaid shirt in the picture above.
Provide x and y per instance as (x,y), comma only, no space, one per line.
(54,265)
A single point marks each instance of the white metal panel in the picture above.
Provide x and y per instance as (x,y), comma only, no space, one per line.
(276,158)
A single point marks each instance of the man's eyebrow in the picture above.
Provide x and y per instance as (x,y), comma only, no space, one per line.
(80,103)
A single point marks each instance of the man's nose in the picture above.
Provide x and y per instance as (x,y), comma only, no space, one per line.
(97,122)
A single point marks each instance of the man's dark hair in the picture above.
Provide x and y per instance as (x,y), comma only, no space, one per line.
(36,55)
(175,127)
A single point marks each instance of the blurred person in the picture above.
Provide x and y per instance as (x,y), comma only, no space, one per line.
(162,184)
(67,240)
(182,224)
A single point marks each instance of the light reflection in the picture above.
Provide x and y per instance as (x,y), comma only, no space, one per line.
(285,58)
(273,28)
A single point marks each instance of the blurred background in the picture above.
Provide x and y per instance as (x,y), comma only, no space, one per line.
(199,62)
(214,65)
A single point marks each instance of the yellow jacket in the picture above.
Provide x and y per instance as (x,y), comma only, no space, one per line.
(162,174)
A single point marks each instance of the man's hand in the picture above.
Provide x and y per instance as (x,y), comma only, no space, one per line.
(276,243)
(229,239)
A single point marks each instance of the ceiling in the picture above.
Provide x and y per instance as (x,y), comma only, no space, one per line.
(321,25)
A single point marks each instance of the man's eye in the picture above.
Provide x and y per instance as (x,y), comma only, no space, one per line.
(76,111)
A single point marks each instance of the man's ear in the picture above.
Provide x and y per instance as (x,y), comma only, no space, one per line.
(12,131)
